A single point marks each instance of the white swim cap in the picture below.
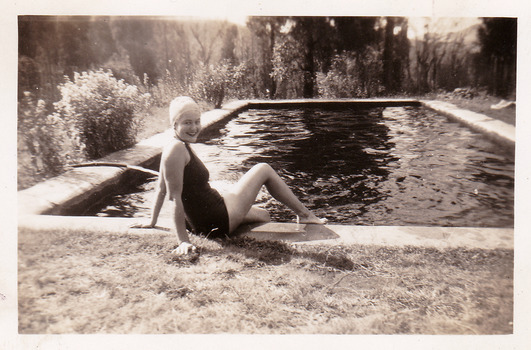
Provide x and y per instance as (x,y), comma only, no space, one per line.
(181,105)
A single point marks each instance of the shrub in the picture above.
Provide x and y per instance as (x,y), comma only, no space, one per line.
(166,89)
(352,75)
(241,83)
(210,82)
(39,153)
(103,111)
(215,83)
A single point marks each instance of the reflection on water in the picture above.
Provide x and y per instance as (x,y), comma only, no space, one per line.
(378,166)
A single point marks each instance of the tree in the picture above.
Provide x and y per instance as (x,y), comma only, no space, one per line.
(52,47)
(267,30)
(229,44)
(457,69)
(136,36)
(354,34)
(497,39)
(313,33)
(287,67)
(174,57)
(356,67)
(395,53)
(429,52)
(207,37)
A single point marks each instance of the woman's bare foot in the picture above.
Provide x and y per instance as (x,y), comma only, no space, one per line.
(310,219)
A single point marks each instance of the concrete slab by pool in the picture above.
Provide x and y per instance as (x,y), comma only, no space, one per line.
(77,186)
(399,236)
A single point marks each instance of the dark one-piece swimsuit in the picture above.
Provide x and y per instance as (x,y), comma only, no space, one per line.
(204,207)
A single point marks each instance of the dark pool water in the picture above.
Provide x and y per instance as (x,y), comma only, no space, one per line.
(378,166)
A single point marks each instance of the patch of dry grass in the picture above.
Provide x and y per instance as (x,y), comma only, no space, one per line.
(482,105)
(154,122)
(78,282)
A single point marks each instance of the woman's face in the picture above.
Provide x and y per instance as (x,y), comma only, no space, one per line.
(188,126)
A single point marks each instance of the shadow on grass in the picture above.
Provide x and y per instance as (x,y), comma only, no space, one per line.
(267,252)
(263,252)
(277,253)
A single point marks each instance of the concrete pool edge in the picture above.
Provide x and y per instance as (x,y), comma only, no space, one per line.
(57,195)
(390,236)
(494,129)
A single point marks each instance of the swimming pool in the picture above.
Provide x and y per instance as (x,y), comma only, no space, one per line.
(360,166)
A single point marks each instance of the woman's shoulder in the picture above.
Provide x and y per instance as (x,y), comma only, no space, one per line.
(175,148)
(175,145)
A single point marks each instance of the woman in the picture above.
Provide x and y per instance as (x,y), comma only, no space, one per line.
(185,178)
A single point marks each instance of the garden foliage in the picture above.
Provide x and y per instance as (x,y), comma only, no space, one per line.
(352,75)
(103,111)
(38,132)
(215,83)
(273,57)
(287,62)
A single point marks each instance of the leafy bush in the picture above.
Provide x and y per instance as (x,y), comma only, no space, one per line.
(209,83)
(103,111)
(166,89)
(352,75)
(242,83)
(341,80)
(39,153)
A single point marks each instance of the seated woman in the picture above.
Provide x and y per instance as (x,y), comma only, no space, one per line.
(208,212)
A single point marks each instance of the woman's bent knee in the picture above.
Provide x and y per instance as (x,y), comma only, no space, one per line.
(263,168)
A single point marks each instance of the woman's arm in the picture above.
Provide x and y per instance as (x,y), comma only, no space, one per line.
(173,163)
(160,195)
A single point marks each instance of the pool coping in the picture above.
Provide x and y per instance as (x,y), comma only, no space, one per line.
(493,129)
(292,233)
(58,195)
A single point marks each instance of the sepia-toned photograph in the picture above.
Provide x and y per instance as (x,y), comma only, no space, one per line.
(265,175)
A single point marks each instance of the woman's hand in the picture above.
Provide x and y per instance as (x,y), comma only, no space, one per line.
(184,248)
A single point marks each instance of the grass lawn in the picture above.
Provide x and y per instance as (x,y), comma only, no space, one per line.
(81,282)
(480,104)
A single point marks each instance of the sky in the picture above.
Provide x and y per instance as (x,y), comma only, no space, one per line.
(415,23)
(441,25)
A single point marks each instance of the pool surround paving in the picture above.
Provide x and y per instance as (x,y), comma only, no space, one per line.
(397,236)
(43,205)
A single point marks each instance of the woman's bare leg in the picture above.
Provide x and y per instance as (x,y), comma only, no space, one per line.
(240,199)
(256,214)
